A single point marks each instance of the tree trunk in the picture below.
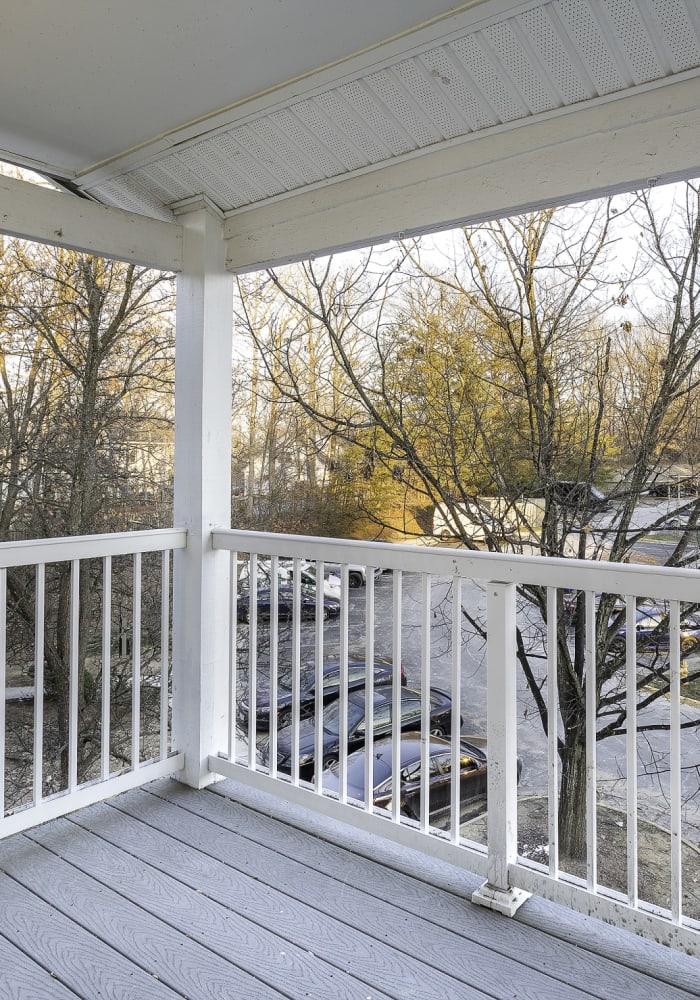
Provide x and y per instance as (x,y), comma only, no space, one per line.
(572,796)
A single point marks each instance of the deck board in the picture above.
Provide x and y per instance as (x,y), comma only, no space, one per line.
(68,952)
(507,952)
(169,892)
(313,910)
(29,979)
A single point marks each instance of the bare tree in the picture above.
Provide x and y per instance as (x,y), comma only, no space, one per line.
(86,361)
(502,373)
(293,361)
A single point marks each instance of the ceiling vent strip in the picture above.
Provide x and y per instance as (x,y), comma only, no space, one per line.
(127,193)
(244,171)
(356,127)
(515,64)
(284,151)
(554,55)
(553,48)
(444,66)
(215,181)
(319,162)
(158,178)
(635,44)
(587,38)
(265,163)
(412,119)
(427,92)
(312,115)
(690,15)
(487,77)
(670,24)
(369,109)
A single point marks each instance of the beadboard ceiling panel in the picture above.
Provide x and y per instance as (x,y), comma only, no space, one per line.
(545,59)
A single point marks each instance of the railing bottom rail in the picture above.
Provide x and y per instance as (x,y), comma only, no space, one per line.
(88,794)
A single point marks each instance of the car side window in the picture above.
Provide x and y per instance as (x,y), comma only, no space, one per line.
(467,763)
(411,773)
(410,708)
(330,679)
(382,719)
(440,764)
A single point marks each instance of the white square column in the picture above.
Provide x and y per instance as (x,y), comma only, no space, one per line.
(502,742)
(202,492)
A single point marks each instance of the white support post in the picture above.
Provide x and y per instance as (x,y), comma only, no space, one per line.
(202,494)
(496,893)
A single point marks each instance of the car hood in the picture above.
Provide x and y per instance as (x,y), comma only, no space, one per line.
(331,783)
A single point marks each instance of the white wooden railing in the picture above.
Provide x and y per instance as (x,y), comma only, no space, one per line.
(439,582)
(71,709)
(510,876)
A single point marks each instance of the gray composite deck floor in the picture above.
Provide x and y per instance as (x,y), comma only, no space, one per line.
(168,892)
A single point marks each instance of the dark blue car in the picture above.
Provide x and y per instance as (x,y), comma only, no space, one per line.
(383,672)
(652,630)
(382,723)
(285,604)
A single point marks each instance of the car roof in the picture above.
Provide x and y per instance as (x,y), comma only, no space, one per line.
(410,748)
(383,693)
(379,661)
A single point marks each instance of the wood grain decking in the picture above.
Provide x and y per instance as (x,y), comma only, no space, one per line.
(168,892)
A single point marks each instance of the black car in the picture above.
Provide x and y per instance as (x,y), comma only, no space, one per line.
(653,631)
(357,678)
(472,782)
(581,497)
(285,604)
(440,724)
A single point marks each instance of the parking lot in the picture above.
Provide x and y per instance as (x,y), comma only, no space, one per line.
(653,747)
(653,770)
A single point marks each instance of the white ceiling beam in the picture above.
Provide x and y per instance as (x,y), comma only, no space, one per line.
(561,158)
(33,212)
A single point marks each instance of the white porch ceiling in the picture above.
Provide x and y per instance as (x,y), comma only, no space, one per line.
(278,111)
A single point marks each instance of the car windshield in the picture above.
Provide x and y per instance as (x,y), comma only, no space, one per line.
(650,622)
(306,678)
(331,715)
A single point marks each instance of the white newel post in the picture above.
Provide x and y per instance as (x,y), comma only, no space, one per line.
(202,492)
(501,741)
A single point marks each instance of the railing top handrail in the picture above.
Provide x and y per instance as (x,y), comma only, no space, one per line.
(665,582)
(51,550)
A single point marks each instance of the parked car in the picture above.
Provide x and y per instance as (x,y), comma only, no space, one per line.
(331,580)
(357,575)
(472,781)
(653,633)
(581,497)
(383,673)
(570,602)
(670,490)
(678,520)
(474,521)
(440,724)
(285,603)
(285,575)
